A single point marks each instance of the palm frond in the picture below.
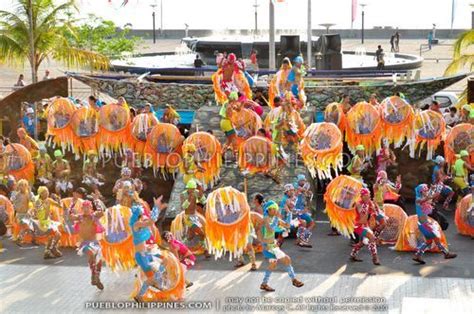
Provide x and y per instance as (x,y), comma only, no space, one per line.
(75,57)
(10,50)
(464,40)
(459,64)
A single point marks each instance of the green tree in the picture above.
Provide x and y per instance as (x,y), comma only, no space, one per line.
(36,30)
(103,36)
(462,58)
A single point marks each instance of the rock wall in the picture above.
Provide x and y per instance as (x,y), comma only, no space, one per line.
(194,96)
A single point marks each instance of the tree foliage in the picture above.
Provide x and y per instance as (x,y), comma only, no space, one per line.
(43,34)
(102,36)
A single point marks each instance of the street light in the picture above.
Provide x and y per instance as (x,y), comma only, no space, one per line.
(327,26)
(472,14)
(363,5)
(310,37)
(256,5)
(161,17)
(153,6)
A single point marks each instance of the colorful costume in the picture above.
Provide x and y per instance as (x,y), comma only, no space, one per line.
(429,130)
(279,84)
(464,217)
(230,78)
(296,81)
(271,251)
(430,231)
(364,128)
(357,164)
(438,178)
(397,120)
(88,226)
(385,190)
(460,173)
(364,209)
(45,225)
(227,222)
(321,149)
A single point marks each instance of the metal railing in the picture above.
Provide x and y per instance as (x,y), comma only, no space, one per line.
(426,48)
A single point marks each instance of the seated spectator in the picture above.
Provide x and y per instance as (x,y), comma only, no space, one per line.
(451,117)
(435,106)
(29,122)
(21,82)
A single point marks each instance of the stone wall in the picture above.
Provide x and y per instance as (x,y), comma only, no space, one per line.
(194,96)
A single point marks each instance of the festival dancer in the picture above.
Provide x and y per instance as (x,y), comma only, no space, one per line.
(90,176)
(181,251)
(249,250)
(287,207)
(190,164)
(126,176)
(194,227)
(358,164)
(61,172)
(385,190)
(429,230)
(295,80)
(258,203)
(461,170)
(132,162)
(227,127)
(439,177)
(88,226)
(364,208)
(21,199)
(192,195)
(303,195)
(170,115)
(385,158)
(142,226)
(43,166)
(27,141)
(271,251)
(45,225)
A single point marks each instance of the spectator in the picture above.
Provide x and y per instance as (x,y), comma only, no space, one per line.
(425,107)
(93,103)
(253,60)
(392,43)
(379,56)
(259,98)
(20,82)
(451,117)
(198,63)
(430,39)
(397,41)
(346,103)
(46,75)
(29,122)
(466,114)
(276,101)
(435,106)
(373,100)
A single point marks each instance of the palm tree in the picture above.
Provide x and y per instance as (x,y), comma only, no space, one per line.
(462,59)
(36,31)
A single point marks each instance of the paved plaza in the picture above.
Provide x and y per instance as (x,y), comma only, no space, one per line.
(30,284)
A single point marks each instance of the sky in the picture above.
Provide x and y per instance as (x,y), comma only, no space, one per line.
(239,14)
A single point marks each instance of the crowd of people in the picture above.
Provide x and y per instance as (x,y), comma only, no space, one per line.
(45,217)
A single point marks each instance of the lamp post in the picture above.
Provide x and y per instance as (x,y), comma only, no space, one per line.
(161,17)
(310,37)
(363,5)
(271,42)
(327,26)
(472,14)
(154,26)
(256,5)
